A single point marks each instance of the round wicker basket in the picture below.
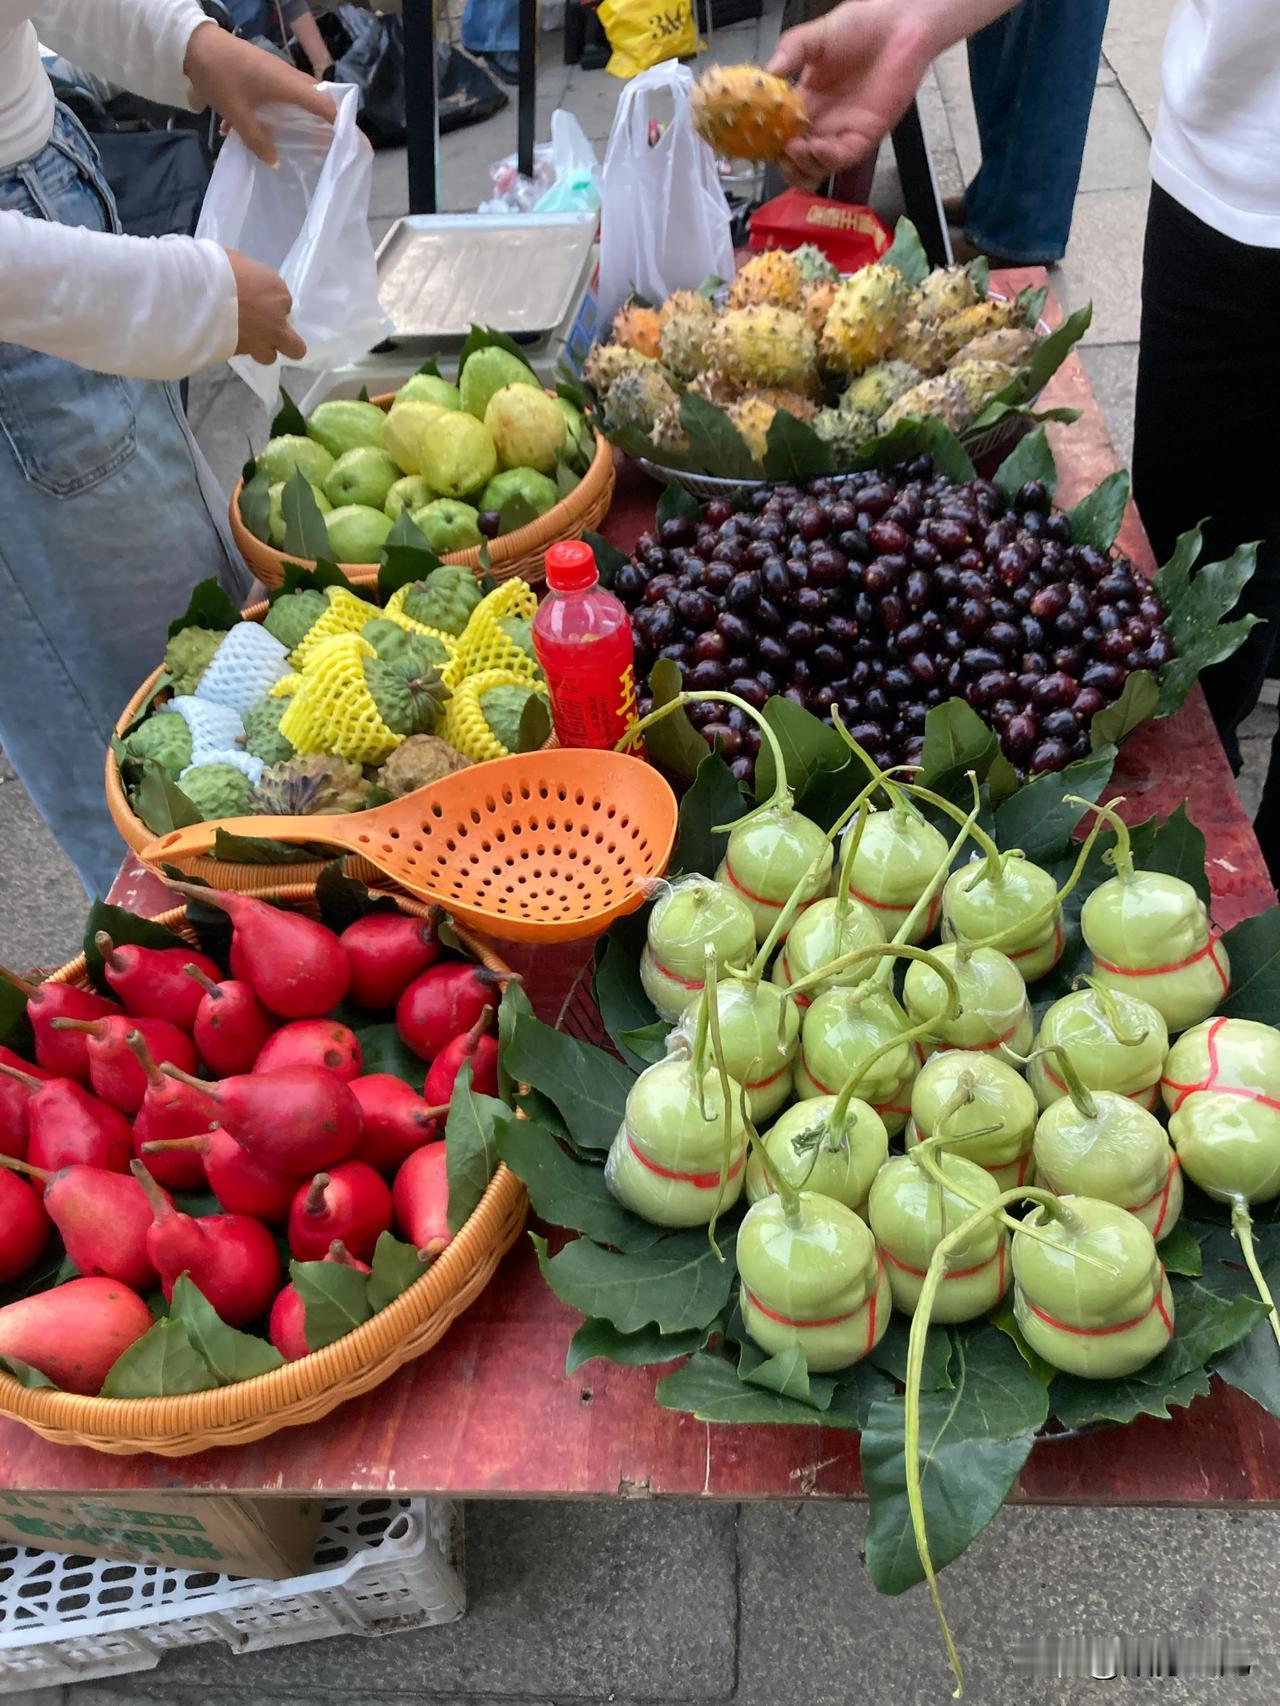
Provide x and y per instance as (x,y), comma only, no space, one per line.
(310,1388)
(518,553)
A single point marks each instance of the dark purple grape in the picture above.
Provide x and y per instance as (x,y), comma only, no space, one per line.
(1086,702)
(924,555)
(991,685)
(730,739)
(743,769)
(1054,690)
(736,630)
(1032,496)
(972,617)
(709,674)
(658,588)
(802,675)
(880,576)
(696,609)
(768,616)
(892,612)
(710,647)
(876,704)
(1113,646)
(1058,528)
(717,577)
(773,652)
(873,500)
(1049,755)
(718,511)
(1021,734)
(827,567)
(898,682)
(1005,637)
(1049,603)
(917,589)
(662,625)
(812,522)
(1159,651)
(923,668)
(809,601)
(703,712)
(999,534)
(750,689)
(946,581)
(801,636)
(947,534)
(1108,678)
(758,553)
(828,660)
(866,733)
(676,530)
(742,592)
(1115,586)
(954,676)
(769,682)
(888,536)
(914,715)
(1061,724)
(1011,566)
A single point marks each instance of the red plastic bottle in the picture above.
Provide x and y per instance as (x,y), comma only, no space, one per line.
(582,638)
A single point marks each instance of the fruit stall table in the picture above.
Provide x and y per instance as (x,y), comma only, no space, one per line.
(489,1413)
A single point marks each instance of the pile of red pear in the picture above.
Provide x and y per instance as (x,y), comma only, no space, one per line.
(240,1085)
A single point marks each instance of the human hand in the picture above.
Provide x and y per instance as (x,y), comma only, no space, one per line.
(264,302)
(236,79)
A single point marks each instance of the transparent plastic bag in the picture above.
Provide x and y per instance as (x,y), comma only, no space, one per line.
(308,218)
(565,177)
(664,225)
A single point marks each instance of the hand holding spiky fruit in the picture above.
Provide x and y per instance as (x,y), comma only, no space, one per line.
(745,113)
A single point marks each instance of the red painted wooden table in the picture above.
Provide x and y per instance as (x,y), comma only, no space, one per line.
(489,1412)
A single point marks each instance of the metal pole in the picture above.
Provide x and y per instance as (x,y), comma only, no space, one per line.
(421,111)
(920,187)
(527,93)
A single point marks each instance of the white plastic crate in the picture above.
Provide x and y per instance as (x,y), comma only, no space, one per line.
(380,1566)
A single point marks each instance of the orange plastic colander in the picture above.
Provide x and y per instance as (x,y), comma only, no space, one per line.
(547,846)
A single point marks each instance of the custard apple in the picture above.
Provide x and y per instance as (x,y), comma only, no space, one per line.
(502,708)
(291,618)
(444,600)
(189,653)
(218,790)
(395,644)
(311,786)
(262,737)
(417,762)
(519,630)
(166,739)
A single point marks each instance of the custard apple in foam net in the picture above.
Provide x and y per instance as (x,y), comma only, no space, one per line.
(245,667)
(244,762)
(214,728)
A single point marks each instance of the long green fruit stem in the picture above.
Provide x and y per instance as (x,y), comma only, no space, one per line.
(1242,1228)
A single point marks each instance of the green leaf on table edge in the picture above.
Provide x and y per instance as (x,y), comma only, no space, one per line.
(1180,1251)
(1007,405)
(344,899)
(289,419)
(1004,1320)
(485,337)
(1032,299)
(396,1266)
(570,1193)
(597,1338)
(677,1284)
(907,252)
(1253,947)
(262,850)
(974,1440)
(811,749)
(162,1363)
(124,928)
(335,1299)
(513,1004)
(160,802)
(1030,459)
(384,1050)
(535,725)
(1197,605)
(305,534)
(1096,519)
(1035,818)
(229,1354)
(255,511)
(471,1146)
(672,742)
(1052,350)
(713,798)
(793,451)
(609,559)
(918,435)
(25,1375)
(208,607)
(709,1387)
(1138,702)
(715,444)
(586,1085)
(619,994)
(787,1374)
(979,271)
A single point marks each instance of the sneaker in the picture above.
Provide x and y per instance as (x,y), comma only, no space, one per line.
(505,66)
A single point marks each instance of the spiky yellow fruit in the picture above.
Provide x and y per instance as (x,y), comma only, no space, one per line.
(606,361)
(803,408)
(957,330)
(979,381)
(716,387)
(746,114)
(814,266)
(864,318)
(877,387)
(844,431)
(817,305)
(637,398)
(945,291)
(772,278)
(684,322)
(637,328)
(922,343)
(956,398)
(1011,345)
(753,415)
(668,435)
(758,347)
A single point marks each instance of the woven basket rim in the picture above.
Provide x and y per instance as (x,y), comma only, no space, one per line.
(192,1421)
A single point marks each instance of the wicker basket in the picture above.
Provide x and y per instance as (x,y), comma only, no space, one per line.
(310,1388)
(518,553)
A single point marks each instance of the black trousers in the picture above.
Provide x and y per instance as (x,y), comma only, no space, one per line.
(1207,438)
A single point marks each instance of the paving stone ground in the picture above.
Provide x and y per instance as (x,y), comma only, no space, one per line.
(578,1604)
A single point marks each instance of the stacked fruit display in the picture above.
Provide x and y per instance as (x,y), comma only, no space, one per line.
(465,462)
(200,1120)
(333,703)
(698,381)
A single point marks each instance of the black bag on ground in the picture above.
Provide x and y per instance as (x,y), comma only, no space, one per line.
(368,51)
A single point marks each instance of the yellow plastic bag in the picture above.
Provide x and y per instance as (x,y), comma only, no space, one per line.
(645,32)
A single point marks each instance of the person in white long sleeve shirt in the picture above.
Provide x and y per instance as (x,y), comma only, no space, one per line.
(108,513)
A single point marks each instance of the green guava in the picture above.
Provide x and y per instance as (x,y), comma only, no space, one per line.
(448,525)
(457,454)
(275,514)
(405,426)
(427,388)
(345,425)
(293,454)
(361,476)
(536,489)
(486,372)
(410,493)
(526,427)
(357,533)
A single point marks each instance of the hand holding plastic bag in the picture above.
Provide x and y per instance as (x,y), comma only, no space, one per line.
(307,218)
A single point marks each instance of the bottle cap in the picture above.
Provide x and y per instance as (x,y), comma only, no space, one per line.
(571,566)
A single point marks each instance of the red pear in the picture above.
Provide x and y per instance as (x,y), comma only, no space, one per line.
(396,1120)
(65,1124)
(169,1110)
(150,982)
(420,1197)
(24,1225)
(230,1025)
(386,952)
(313,1042)
(350,1203)
(114,1073)
(443,1003)
(295,1121)
(231,1258)
(104,1219)
(241,1184)
(475,1046)
(65,1053)
(296,967)
(14,1096)
(76,1332)
(288,1312)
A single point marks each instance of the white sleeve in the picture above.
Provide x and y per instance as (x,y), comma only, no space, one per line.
(139,44)
(144,307)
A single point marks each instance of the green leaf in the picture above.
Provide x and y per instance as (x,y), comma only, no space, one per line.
(25,1375)
(979,270)
(229,1354)
(787,1374)
(335,1300)
(1179,851)
(678,1284)
(513,1004)
(891,1354)
(160,802)
(289,420)
(793,451)
(343,899)
(15,1027)
(1032,302)
(624,1006)
(608,557)
(305,534)
(811,750)
(1254,950)
(566,480)
(956,740)
(973,1440)
(714,798)
(1096,519)
(535,725)
(588,1086)
(406,557)
(315,577)
(471,1147)
(918,436)
(261,850)
(1035,818)
(715,444)
(430,367)
(208,607)
(384,1050)
(1197,605)
(676,504)
(570,1193)
(708,1387)
(907,252)
(1180,1251)
(1030,459)
(1003,1318)
(161,1364)
(516,512)
(123,928)
(1138,702)
(396,1266)
(672,743)
(1052,350)
(255,507)
(634,1350)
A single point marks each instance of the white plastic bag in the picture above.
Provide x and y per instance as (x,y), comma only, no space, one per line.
(307,218)
(664,225)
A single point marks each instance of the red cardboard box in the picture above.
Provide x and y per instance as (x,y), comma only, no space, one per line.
(850,237)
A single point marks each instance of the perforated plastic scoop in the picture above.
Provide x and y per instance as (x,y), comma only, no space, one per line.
(547,846)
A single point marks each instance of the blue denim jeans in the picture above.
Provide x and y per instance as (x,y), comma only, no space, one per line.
(1032,74)
(491,26)
(110,517)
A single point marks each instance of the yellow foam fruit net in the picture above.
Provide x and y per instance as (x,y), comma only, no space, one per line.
(482,646)
(464,725)
(347,614)
(331,708)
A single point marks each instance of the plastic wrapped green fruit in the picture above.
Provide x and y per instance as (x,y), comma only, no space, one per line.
(1222,1087)
(1149,934)
(823,933)
(1120,1155)
(976,905)
(1081,1319)
(691,914)
(910,1214)
(995,1014)
(664,1164)
(767,858)
(813,1279)
(1114,1040)
(841,1030)
(165,739)
(999,1099)
(759,1031)
(842,1170)
(897,857)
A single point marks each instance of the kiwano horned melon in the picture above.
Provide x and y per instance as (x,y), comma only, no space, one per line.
(745,113)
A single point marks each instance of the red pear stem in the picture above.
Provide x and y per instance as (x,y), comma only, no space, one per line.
(159,1204)
(22,1077)
(25,1167)
(339,1253)
(204,980)
(478,1029)
(89,1027)
(198,891)
(166,1144)
(315,1203)
(136,1043)
(436,1113)
(23,985)
(205,1088)
(107,948)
